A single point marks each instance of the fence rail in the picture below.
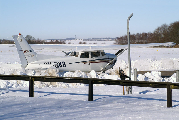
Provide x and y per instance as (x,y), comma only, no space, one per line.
(163,73)
(92,81)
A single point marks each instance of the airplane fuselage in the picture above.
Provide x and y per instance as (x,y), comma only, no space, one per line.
(74,63)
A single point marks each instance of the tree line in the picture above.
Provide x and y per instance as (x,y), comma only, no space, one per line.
(4,41)
(31,40)
(162,34)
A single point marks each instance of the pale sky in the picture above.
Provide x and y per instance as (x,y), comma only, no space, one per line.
(45,19)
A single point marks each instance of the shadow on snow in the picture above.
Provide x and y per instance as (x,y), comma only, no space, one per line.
(102,96)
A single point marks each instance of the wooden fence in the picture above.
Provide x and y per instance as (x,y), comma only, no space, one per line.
(92,81)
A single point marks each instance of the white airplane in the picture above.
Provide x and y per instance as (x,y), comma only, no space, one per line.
(85,60)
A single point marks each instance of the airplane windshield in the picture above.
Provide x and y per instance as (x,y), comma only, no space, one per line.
(95,54)
(103,53)
(84,55)
(74,54)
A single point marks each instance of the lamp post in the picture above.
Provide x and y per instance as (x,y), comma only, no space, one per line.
(129,59)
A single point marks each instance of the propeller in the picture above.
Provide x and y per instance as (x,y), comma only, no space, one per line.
(120,52)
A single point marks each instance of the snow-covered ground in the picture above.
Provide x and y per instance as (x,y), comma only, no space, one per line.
(74,42)
(70,101)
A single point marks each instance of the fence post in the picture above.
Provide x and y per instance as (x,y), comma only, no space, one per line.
(135,74)
(177,75)
(169,95)
(31,87)
(123,91)
(90,92)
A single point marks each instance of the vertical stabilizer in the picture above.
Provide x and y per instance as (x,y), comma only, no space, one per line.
(26,53)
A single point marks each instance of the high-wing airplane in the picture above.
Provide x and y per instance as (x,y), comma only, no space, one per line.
(85,60)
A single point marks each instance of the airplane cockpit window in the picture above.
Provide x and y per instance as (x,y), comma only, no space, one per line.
(84,55)
(103,53)
(95,54)
(74,54)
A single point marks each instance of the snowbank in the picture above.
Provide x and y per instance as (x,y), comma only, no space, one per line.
(144,59)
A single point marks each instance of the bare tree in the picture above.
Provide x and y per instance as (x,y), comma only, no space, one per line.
(30,39)
(174,32)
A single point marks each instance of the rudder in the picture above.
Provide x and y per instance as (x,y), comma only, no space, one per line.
(26,53)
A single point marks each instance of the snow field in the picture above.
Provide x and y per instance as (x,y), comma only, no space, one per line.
(144,59)
(70,101)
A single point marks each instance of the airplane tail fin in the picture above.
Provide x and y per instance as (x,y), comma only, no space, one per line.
(26,53)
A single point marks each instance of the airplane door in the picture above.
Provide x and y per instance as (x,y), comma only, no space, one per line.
(95,62)
(85,65)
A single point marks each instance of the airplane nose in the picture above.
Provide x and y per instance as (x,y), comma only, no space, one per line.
(112,60)
(112,57)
